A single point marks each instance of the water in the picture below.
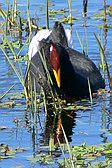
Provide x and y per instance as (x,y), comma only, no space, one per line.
(91,126)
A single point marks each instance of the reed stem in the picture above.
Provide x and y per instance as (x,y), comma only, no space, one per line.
(47,14)
(28,17)
(85,3)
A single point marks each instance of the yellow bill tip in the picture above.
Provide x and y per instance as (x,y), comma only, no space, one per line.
(57,77)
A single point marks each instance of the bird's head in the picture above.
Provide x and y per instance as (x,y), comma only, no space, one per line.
(55,63)
(58,34)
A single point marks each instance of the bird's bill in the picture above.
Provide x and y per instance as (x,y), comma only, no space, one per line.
(57,77)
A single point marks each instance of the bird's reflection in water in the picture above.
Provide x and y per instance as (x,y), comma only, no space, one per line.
(54,124)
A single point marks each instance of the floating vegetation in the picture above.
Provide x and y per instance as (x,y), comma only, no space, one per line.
(98,16)
(12,100)
(17,31)
(42,158)
(7,152)
(110,10)
(7,104)
(76,108)
(57,12)
(66,19)
(82,156)
(16,96)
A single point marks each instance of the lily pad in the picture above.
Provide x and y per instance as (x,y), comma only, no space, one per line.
(42,158)
(7,104)
(7,152)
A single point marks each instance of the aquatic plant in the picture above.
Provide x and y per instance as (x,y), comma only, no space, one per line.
(104,61)
(73,156)
(82,156)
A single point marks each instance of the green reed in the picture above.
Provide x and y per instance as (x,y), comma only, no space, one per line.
(11,20)
(102,55)
(53,93)
(56,103)
(20,77)
(14,10)
(28,17)
(47,96)
(69,148)
(103,60)
(63,154)
(47,14)
(86,54)
(86,37)
(81,42)
(70,10)
(6,92)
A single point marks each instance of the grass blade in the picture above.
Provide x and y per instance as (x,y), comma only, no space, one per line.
(81,42)
(7,92)
(16,71)
(47,14)
(103,60)
(69,150)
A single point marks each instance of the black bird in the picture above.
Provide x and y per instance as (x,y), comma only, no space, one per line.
(70,70)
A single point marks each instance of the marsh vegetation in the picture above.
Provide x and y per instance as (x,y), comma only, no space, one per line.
(51,131)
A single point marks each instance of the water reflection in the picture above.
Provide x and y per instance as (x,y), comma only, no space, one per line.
(53,127)
(21,137)
(106,120)
(110,100)
(105,38)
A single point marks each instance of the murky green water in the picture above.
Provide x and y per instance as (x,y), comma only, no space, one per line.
(90,126)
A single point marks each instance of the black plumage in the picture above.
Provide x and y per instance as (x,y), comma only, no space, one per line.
(75,68)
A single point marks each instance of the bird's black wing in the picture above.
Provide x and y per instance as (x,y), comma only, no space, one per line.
(86,68)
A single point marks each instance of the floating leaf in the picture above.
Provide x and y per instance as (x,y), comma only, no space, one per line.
(98,16)
(46,159)
(34,160)
(83,108)
(7,104)
(74,107)
(54,12)
(15,97)
(20,149)
(7,152)
(2,128)
(110,10)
